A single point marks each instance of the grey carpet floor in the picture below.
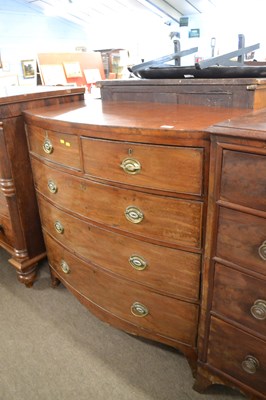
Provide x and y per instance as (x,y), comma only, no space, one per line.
(52,348)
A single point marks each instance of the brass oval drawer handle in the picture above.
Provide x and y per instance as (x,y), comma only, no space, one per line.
(59,227)
(65,267)
(47,146)
(134,214)
(131,166)
(52,186)
(258,310)
(139,310)
(137,262)
(262,251)
(250,364)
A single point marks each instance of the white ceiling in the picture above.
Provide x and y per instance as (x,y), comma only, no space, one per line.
(85,11)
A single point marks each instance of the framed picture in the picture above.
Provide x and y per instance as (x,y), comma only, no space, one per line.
(28,68)
(53,74)
(72,70)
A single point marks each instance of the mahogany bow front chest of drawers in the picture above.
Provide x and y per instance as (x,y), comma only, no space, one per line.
(20,230)
(122,190)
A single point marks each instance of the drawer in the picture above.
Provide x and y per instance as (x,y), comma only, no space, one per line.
(6,231)
(173,271)
(166,316)
(241,239)
(244,179)
(60,148)
(160,218)
(238,354)
(240,297)
(174,169)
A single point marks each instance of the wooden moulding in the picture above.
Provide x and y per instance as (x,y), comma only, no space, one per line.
(247,93)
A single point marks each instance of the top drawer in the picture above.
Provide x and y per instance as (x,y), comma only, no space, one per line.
(60,148)
(174,169)
(244,179)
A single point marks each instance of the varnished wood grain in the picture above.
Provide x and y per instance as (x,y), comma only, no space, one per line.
(167,316)
(176,169)
(239,237)
(235,293)
(228,355)
(166,219)
(244,179)
(65,147)
(169,271)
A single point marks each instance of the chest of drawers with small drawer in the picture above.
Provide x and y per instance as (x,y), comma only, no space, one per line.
(233,345)
(122,192)
(122,211)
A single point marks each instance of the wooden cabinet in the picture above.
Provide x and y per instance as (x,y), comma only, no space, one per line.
(232,347)
(123,212)
(152,234)
(20,230)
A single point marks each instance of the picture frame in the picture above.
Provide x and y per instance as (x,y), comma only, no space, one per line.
(28,68)
(53,74)
(72,69)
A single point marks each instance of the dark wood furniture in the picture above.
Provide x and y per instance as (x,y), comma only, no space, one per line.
(20,231)
(232,345)
(232,93)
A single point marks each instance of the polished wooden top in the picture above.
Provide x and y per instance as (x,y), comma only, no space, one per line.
(138,115)
(252,126)
(17,94)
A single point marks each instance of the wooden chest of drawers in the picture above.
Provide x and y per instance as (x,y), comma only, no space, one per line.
(122,196)
(20,230)
(233,320)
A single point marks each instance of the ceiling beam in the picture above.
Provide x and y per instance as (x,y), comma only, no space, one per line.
(165,8)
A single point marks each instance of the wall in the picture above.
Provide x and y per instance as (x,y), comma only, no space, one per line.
(24,33)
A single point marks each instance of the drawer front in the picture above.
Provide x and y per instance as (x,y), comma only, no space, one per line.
(238,354)
(241,298)
(174,169)
(6,231)
(244,179)
(165,316)
(60,148)
(241,239)
(173,271)
(160,218)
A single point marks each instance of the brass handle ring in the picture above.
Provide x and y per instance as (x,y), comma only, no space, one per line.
(250,364)
(131,166)
(47,146)
(65,267)
(262,251)
(139,310)
(134,214)
(137,262)
(258,310)
(59,227)
(52,186)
